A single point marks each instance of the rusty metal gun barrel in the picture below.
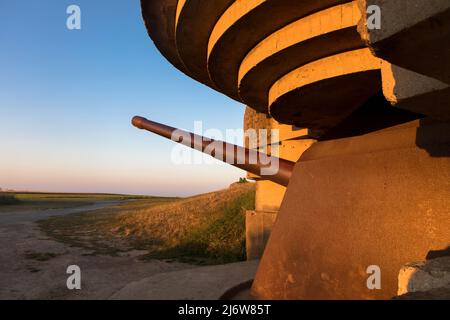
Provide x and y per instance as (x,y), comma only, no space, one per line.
(267,167)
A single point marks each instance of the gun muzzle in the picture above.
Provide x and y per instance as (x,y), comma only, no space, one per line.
(267,167)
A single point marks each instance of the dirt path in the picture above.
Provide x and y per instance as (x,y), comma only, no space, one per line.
(33,266)
(35,215)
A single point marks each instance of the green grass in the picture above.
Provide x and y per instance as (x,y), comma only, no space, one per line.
(76,196)
(41,201)
(97,231)
(218,240)
(205,229)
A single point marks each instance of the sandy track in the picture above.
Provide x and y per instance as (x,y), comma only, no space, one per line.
(35,215)
(24,277)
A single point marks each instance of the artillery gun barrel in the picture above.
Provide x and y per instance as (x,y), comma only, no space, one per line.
(267,167)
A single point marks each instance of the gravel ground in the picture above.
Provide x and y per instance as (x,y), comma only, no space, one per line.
(33,266)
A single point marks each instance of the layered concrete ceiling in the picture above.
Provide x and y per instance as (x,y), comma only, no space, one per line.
(301,61)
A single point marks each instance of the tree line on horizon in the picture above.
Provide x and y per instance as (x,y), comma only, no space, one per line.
(7,197)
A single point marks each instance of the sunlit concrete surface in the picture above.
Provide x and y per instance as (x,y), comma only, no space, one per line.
(364,113)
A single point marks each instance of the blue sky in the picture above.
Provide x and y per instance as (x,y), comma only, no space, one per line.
(67,98)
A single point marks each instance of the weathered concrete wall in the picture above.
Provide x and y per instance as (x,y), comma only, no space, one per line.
(258,225)
(412,91)
(275,55)
(413,41)
(413,35)
(378,199)
(291,143)
(269,195)
(287,135)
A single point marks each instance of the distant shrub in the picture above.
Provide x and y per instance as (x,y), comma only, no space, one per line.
(8,198)
(243,180)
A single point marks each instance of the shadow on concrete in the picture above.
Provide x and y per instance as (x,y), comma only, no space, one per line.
(434,254)
(434,137)
(376,114)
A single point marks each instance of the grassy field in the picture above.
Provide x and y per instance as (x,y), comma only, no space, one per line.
(205,229)
(12,202)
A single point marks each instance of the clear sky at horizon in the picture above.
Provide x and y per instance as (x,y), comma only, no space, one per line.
(67,98)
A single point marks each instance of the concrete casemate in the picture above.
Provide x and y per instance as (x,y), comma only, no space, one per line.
(291,142)
(245,24)
(349,80)
(378,199)
(321,34)
(197,17)
(413,41)
(159,19)
(416,92)
(258,225)
(374,190)
(243,49)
